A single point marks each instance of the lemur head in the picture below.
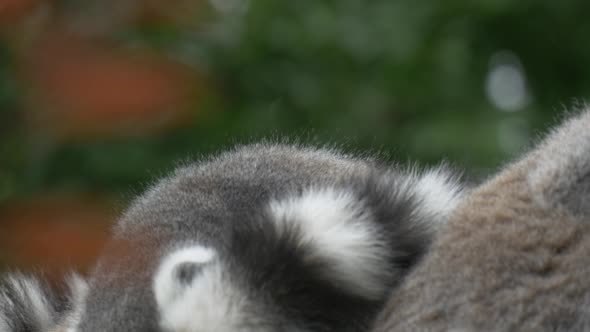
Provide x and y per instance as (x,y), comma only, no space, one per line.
(515,254)
(261,238)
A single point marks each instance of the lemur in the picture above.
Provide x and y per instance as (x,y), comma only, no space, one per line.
(515,253)
(263,237)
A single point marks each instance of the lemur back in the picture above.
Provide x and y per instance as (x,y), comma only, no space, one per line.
(515,254)
(261,238)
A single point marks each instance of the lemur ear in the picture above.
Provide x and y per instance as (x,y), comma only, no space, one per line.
(560,175)
(191,292)
(178,271)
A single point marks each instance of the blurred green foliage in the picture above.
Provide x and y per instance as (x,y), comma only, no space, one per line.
(403,77)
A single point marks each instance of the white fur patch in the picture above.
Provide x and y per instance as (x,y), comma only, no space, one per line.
(439,194)
(78,292)
(30,293)
(208,303)
(339,229)
(167,287)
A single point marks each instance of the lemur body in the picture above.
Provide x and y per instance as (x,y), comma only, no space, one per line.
(261,238)
(515,254)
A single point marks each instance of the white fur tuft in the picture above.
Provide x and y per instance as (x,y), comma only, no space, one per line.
(30,293)
(167,287)
(208,303)
(339,229)
(78,292)
(439,194)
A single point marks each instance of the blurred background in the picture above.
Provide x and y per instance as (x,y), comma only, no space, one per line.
(98,98)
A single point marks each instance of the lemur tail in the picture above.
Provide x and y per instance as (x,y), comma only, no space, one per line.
(31,304)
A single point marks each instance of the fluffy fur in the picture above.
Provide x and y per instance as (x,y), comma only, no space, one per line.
(439,193)
(25,305)
(260,238)
(193,292)
(28,303)
(515,255)
(341,235)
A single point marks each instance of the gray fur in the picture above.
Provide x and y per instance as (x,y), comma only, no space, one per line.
(515,254)
(561,174)
(28,303)
(25,304)
(262,274)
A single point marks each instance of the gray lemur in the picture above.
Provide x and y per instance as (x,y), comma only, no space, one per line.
(265,237)
(515,254)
